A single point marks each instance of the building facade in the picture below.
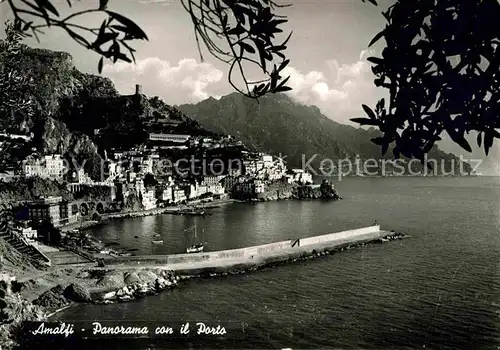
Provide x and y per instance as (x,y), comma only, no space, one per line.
(176,138)
(52,209)
(49,167)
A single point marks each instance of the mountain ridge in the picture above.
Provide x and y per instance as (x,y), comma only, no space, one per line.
(279,125)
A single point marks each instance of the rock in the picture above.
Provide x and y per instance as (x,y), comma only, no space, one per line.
(132,277)
(52,298)
(83,274)
(148,276)
(111,280)
(125,298)
(109,296)
(76,292)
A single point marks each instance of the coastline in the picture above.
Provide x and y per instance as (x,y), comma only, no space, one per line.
(130,280)
(153,277)
(141,213)
(105,218)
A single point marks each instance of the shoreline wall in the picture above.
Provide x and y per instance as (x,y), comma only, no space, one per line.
(255,253)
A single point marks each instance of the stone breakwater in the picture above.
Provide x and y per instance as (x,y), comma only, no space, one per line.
(241,267)
(249,258)
(135,277)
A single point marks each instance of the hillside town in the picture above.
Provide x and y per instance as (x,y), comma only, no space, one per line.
(143,179)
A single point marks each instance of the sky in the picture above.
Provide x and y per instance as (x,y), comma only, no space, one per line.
(327,51)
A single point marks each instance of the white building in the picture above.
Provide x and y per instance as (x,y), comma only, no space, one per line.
(131,176)
(148,197)
(147,165)
(267,160)
(260,187)
(252,167)
(191,191)
(213,180)
(55,166)
(30,233)
(178,138)
(178,195)
(165,194)
(214,184)
(201,190)
(81,177)
(49,167)
(300,176)
(265,167)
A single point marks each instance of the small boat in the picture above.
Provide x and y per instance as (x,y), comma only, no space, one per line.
(196,247)
(157,242)
(191,212)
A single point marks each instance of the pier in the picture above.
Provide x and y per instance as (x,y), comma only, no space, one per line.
(255,256)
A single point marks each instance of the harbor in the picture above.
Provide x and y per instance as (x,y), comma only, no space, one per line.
(203,263)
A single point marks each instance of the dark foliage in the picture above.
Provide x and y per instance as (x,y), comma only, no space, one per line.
(248,29)
(110,40)
(235,32)
(442,69)
(49,233)
(149,180)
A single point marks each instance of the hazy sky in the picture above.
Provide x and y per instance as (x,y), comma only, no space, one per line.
(328,52)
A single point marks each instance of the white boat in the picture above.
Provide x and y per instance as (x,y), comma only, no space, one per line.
(157,242)
(196,247)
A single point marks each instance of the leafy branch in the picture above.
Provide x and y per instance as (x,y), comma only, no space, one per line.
(441,66)
(239,32)
(111,40)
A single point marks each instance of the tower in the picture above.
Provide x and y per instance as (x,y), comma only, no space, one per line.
(138,89)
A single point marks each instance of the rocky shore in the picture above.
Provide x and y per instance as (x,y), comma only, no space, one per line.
(139,284)
(25,300)
(38,297)
(307,192)
(283,191)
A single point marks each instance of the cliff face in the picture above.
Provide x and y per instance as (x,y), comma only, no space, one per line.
(52,136)
(55,80)
(25,189)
